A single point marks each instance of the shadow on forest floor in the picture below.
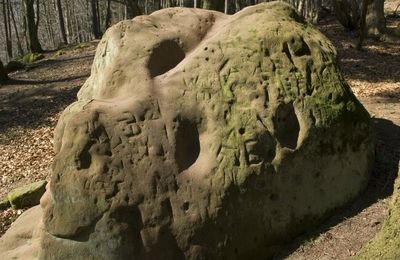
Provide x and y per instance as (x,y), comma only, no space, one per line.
(35,97)
(361,65)
(30,110)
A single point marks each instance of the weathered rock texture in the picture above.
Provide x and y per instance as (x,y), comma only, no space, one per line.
(204,136)
(22,240)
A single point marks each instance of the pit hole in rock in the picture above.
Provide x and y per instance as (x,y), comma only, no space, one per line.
(286,126)
(187,147)
(164,57)
(185,206)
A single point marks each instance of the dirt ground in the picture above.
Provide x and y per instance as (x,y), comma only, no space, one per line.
(31,104)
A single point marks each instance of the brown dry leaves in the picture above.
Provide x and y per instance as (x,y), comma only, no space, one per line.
(29,111)
(25,157)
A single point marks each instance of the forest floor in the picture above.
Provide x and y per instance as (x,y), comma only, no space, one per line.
(31,104)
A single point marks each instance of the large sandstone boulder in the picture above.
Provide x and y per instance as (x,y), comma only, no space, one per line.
(204,136)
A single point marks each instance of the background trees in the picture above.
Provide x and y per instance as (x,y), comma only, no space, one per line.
(34,25)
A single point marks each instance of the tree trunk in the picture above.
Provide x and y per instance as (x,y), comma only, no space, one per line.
(348,13)
(68,22)
(49,26)
(375,20)
(132,9)
(19,45)
(362,24)
(61,22)
(108,14)
(95,19)
(217,5)
(226,7)
(6,29)
(3,73)
(32,26)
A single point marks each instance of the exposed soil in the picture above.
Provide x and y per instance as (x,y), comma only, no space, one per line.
(31,104)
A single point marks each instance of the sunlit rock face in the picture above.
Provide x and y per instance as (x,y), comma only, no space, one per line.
(204,136)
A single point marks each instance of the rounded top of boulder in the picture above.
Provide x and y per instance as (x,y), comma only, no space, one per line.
(203,135)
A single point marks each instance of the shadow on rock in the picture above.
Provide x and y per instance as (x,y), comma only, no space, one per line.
(380,186)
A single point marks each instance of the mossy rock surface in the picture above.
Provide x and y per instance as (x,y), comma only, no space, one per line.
(4,204)
(27,196)
(386,244)
(59,53)
(32,57)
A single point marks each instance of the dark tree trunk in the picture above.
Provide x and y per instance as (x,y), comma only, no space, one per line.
(348,13)
(217,5)
(32,26)
(362,24)
(3,73)
(108,15)
(61,22)
(95,19)
(132,9)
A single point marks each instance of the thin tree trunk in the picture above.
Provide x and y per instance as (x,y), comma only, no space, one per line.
(108,14)
(68,22)
(61,22)
(19,45)
(37,14)
(9,24)
(78,28)
(195,4)
(362,24)
(7,31)
(98,17)
(95,20)
(32,25)
(226,7)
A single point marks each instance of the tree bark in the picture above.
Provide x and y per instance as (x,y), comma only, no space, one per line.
(217,5)
(362,24)
(95,19)
(132,9)
(6,29)
(108,14)
(48,24)
(375,19)
(19,44)
(61,22)
(3,73)
(32,26)
(348,13)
